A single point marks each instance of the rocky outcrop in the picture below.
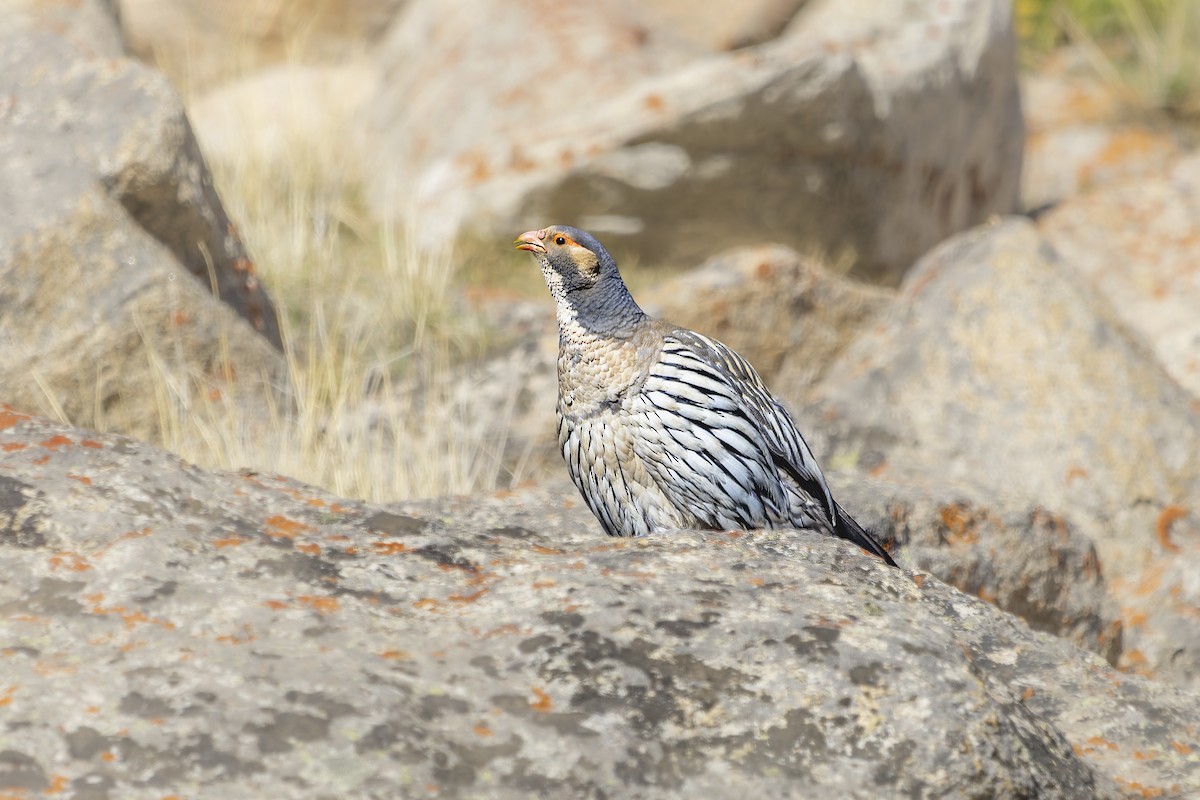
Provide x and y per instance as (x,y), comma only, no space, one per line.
(1028,560)
(825,136)
(1137,242)
(172,630)
(999,367)
(113,243)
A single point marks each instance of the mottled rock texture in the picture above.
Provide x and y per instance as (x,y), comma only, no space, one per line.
(88,24)
(1139,243)
(999,366)
(1026,559)
(789,315)
(113,243)
(866,128)
(168,630)
(1081,136)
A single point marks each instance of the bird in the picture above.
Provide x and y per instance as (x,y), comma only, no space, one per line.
(663,428)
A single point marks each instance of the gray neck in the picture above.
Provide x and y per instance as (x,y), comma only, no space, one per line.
(602,312)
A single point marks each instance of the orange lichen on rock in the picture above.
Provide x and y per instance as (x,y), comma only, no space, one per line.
(10,417)
(1163,526)
(322,605)
(1134,660)
(309,548)
(130,618)
(280,527)
(73,562)
(959,524)
(12,447)
(1140,789)
(469,598)
(395,655)
(388,548)
(543,703)
(56,441)
(58,784)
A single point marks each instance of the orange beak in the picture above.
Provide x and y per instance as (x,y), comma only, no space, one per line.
(531,241)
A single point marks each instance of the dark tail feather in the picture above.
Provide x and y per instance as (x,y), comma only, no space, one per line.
(851,531)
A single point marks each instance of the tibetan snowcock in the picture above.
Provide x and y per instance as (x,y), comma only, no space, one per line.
(663,428)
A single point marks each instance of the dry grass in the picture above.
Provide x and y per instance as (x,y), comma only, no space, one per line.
(1144,49)
(372,408)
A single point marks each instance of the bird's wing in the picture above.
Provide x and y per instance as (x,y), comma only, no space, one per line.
(714,439)
(789,452)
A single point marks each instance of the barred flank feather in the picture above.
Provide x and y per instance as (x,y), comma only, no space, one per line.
(663,428)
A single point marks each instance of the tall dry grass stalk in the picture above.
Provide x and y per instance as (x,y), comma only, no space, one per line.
(373,407)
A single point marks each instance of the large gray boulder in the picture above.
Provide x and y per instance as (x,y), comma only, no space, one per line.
(867,128)
(1138,242)
(175,631)
(113,242)
(1000,367)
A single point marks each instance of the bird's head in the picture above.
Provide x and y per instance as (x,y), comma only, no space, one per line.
(582,276)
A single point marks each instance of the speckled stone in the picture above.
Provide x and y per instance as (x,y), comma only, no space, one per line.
(171,631)
(1001,366)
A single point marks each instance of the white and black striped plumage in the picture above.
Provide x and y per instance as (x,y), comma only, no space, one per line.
(664,428)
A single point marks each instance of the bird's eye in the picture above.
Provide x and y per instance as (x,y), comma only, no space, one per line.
(560,240)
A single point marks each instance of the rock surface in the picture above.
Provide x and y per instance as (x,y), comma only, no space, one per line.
(1138,242)
(1029,561)
(822,137)
(789,315)
(173,631)
(90,25)
(999,367)
(1080,137)
(112,242)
